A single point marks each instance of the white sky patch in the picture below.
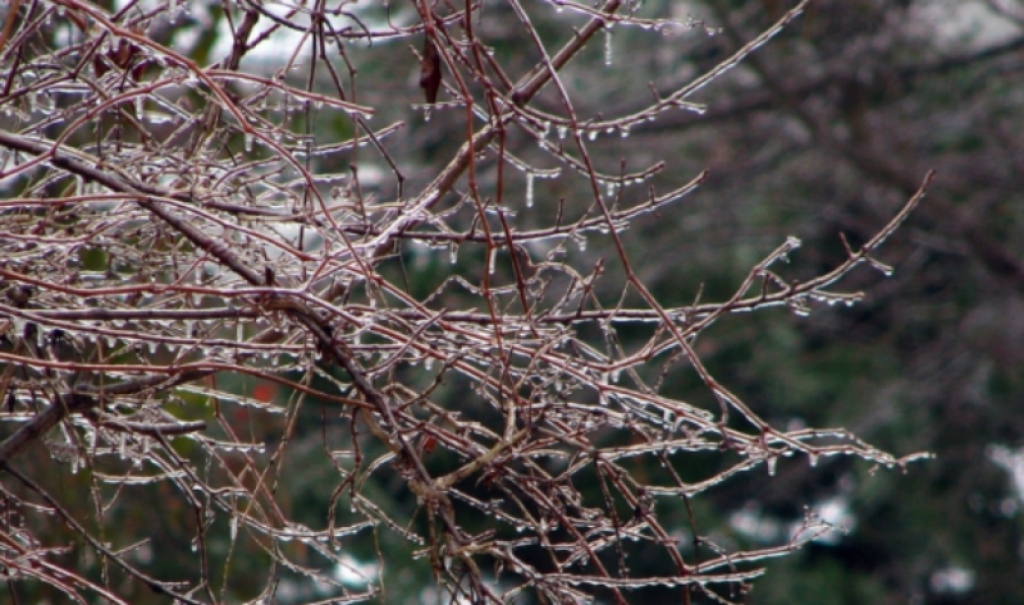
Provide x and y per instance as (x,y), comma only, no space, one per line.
(952,580)
(970,21)
(1011,461)
(269,52)
(355,573)
(753,523)
(836,512)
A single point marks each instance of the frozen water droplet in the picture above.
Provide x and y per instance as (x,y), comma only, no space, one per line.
(562,131)
(529,189)
(592,135)
(773,463)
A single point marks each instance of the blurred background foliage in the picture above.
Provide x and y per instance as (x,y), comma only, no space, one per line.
(824,131)
(827,130)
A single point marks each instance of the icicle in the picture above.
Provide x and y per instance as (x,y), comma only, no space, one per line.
(607,44)
(529,189)
(491,261)
(453,252)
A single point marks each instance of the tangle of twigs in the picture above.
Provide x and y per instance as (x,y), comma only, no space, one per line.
(177,227)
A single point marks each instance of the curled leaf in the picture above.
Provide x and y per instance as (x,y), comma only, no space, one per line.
(430,70)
